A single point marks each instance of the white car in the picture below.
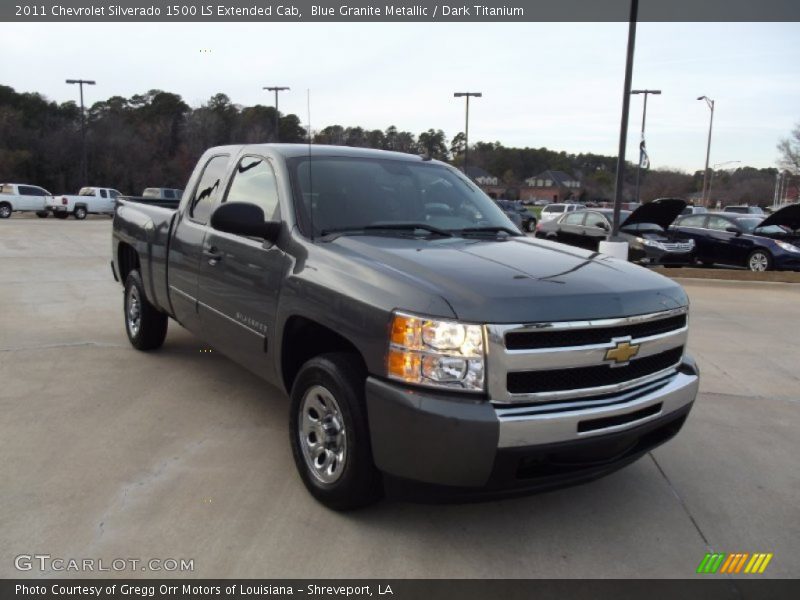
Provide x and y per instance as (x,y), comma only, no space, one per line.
(21,197)
(553,211)
(94,200)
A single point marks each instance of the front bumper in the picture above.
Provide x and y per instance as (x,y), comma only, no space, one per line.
(656,256)
(476,447)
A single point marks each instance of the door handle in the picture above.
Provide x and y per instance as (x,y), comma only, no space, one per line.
(213,254)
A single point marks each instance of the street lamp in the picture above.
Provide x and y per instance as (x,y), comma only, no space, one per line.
(276,89)
(467,95)
(641,142)
(84,162)
(714,169)
(710,104)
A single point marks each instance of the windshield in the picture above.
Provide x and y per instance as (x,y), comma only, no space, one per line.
(86,192)
(343,194)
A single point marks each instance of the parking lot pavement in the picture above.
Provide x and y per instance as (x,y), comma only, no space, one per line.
(111,453)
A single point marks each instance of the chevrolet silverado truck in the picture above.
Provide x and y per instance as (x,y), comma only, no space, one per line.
(89,200)
(423,340)
(21,197)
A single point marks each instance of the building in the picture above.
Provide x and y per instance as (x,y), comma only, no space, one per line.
(487,182)
(553,186)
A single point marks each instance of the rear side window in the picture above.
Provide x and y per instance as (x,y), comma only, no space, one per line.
(254,182)
(693,221)
(169,195)
(575,218)
(103,194)
(207,190)
(718,223)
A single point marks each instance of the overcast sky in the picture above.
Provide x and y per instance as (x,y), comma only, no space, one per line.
(557,85)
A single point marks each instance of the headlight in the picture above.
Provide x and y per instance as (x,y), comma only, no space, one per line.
(788,247)
(444,354)
(650,243)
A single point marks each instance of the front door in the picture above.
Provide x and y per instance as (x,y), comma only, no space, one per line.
(240,277)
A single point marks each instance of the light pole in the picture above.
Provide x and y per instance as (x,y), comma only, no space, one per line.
(276,89)
(641,142)
(710,104)
(713,170)
(84,162)
(467,95)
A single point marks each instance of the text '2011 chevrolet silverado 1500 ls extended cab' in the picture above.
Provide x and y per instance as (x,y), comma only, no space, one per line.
(421,337)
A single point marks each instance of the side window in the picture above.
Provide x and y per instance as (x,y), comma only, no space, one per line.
(114,194)
(594,219)
(574,218)
(254,182)
(103,194)
(169,195)
(26,190)
(207,191)
(693,221)
(718,223)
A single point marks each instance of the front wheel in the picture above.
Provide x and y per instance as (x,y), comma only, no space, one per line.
(80,213)
(329,433)
(759,260)
(145,324)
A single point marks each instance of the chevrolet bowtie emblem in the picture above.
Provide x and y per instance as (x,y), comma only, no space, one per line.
(622,352)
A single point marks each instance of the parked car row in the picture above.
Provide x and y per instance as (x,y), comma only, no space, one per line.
(663,233)
(19,197)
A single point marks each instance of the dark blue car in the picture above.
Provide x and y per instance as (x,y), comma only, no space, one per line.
(749,241)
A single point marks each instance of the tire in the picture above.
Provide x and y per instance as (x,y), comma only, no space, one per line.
(42,214)
(346,478)
(145,325)
(80,213)
(61,215)
(759,260)
(5,210)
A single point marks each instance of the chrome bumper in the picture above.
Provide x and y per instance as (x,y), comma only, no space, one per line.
(573,421)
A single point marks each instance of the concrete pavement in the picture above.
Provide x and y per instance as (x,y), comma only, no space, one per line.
(111,453)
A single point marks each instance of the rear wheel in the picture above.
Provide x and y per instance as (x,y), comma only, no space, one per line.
(80,213)
(146,326)
(329,433)
(5,210)
(759,260)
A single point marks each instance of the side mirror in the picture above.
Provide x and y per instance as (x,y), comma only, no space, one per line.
(602,225)
(733,229)
(244,218)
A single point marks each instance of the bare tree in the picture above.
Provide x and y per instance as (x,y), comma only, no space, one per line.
(790,151)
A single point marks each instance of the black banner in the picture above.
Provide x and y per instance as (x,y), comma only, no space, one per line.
(398,589)
(395,11)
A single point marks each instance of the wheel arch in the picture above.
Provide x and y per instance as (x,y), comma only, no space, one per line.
(296,349)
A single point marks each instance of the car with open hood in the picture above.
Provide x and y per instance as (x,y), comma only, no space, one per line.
(646,230)
(749,241)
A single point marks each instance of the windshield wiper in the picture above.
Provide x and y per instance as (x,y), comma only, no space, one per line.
(384,227)
(409,227)
(490,229)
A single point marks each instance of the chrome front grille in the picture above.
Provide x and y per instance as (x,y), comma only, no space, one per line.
(545,362)
(678,246)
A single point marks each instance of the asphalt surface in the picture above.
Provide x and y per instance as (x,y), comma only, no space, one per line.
(111,453)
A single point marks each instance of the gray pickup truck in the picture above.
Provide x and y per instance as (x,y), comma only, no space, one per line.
(425,342)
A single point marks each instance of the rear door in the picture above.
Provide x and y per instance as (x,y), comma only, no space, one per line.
(240,277)
(570,230)
(186,245)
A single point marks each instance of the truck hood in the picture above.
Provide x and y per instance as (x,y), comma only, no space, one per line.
(788,216)
(519,280)
(662,212)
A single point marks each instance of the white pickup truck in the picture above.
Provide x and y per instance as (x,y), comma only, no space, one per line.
(95,200)
(21,197)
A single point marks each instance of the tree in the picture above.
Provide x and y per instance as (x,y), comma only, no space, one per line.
(457,146)
(433,143)
(789,149)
